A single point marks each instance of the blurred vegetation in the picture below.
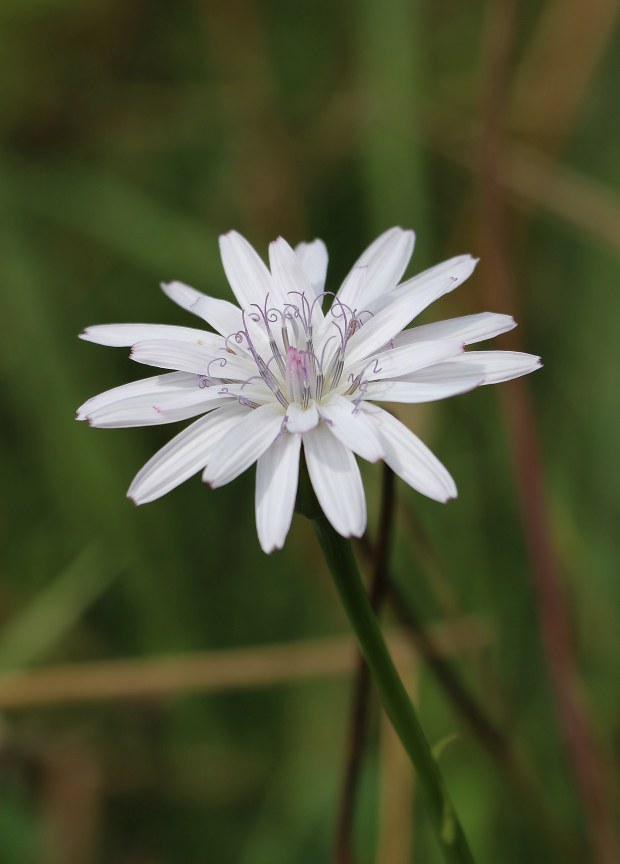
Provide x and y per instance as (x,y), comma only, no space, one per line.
(132,135)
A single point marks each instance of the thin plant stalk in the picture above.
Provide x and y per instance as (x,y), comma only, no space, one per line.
(361,687)
(341,561)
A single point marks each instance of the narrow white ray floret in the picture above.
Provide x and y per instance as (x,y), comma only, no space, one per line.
(295,365)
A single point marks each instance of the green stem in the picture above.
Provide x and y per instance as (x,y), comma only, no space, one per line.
(396,702)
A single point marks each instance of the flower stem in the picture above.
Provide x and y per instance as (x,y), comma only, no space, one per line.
(341,562)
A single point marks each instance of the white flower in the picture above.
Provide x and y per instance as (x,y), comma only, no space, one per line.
(279,372)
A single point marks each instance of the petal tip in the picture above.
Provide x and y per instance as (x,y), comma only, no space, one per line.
(269,548)
(227,237)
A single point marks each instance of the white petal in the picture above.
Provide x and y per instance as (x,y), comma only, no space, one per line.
(155,387)
(467,329)
(389,247)
(125,417)
(169,354)
(380,329)
(167,408)
(183,295)
(426,391)
(386,259)
(185,455)
(458,268)
(254,391)
(339,316)
(445,373)
(289,278)
(277,473)
(124,335)
(247,273)
(223,316)
(233,324)
(313,259)
(336,480)
(350,294)
(376,245)
(401,361)
(232,367)
(500,366)
(244,444)
(351,427)
(408,457)
(300,419)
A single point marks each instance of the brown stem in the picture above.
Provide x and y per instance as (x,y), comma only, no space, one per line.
(553,609)
(489,735)
(498,746)
(358,720)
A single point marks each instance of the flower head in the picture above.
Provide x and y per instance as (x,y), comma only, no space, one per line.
(296,365)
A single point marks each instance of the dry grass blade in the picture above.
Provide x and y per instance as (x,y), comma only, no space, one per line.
(260,666)
(534,180)
(554,77)
(583,751)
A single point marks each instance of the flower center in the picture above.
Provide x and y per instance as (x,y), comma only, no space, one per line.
(281,343)
(298,376)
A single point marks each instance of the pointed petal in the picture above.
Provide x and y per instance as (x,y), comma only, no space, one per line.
(141,413)
(292,284)
(351,427)
(408,457)
(193,358)
(247,273)
(223,316)
(377,332)
(155,387)
(313,259)
(467,329)
(125,335)
(445,373)
(183,295)
(169,354)
(458,268)
(410,358)
(289,278)
(336,480)
(376,245)
(500,366)
(254,391)
(386,260)
(277,472)
(233,367)
(339,315)
(461,381)
(185,455)
(232,323)
(299,419)
(151,405)
(244,444)
(350,295)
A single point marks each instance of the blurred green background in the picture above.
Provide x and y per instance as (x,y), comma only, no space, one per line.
(132,135)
